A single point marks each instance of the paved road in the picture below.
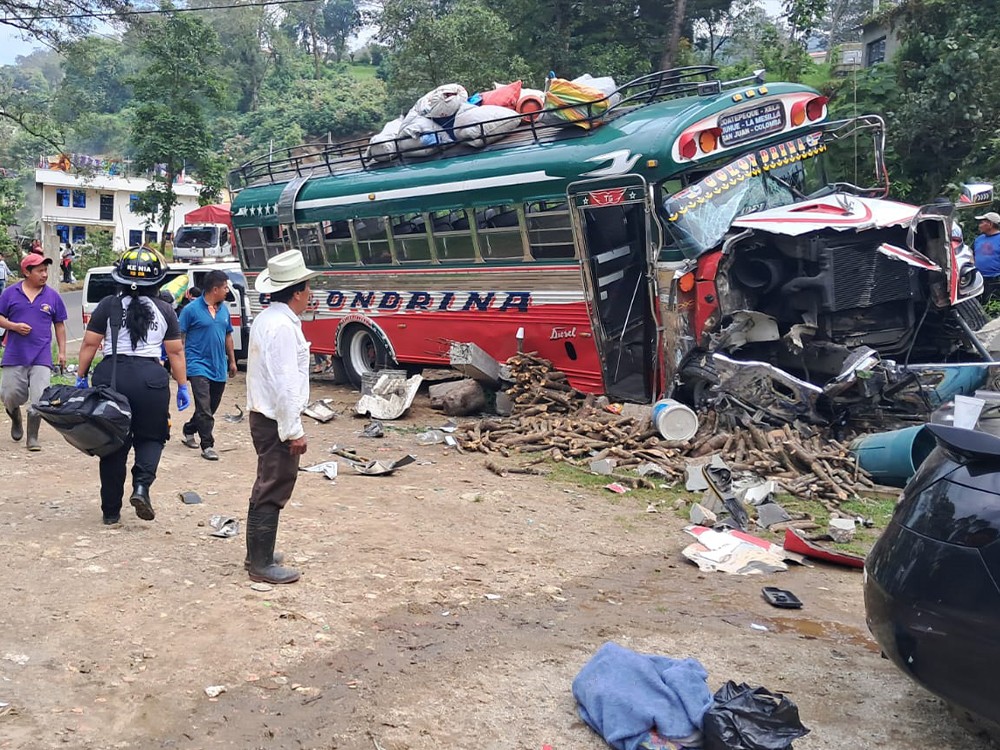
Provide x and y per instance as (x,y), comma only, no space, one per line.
(74,323)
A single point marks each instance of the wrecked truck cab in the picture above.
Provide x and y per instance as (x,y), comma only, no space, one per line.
(809,302)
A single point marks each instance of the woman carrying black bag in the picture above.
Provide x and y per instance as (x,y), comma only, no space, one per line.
(148,322)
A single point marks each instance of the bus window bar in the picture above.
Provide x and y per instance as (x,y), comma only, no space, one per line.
(352,155)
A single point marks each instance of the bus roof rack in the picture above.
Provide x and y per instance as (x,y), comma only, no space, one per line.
(352,155)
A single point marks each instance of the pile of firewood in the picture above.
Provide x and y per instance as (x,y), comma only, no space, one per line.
(552,421)
(539,388)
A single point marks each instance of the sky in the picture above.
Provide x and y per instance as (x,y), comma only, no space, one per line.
(11,45)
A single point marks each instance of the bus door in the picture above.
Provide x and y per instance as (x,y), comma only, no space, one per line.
(611,228)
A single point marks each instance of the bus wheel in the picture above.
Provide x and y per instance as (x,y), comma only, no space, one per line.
(363,353)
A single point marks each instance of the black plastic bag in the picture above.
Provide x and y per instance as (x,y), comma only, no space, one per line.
(748,718)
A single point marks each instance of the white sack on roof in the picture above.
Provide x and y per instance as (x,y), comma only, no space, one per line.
(382,146)
(478,126)
(442,102)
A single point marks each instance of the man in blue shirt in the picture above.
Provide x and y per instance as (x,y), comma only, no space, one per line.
(987,249)
(208,348)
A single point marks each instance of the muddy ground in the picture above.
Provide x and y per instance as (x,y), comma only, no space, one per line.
(441,607)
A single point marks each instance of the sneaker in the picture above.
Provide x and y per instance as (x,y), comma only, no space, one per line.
(209,454)
(190,442)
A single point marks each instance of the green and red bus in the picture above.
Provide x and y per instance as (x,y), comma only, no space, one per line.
(621,251)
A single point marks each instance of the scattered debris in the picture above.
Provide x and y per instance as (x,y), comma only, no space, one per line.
(796,542)
(602,466)
(733,552)
(373,429)
(320,410)
(473,362)
(841,530)
(225,526)
(458,398)
(391,395)
(375,468)
(769,514)
(673,420)
(502,471)
(19,659)
(702,516)
(189,498)
(616,488)
(327,469)
(214,691)
(759,494)
(431,437)
(782,598)
(234,418)
(261,587)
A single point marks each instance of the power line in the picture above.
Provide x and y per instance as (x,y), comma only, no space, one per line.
(120,13)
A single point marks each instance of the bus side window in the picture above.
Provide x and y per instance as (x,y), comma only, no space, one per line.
(549,230)
(500,233)
(254,251)
(309,244)
(409,234)
(274,239)
(338,242)
(373,242)
(452,237)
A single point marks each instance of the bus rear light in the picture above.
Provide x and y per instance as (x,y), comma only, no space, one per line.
(798,115)
(687,146)
(708,140)
(816,108)
(686,284)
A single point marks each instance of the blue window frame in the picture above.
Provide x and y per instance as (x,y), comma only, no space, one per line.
(62,230)
(79,234)
(132,201)
(134,237)
(62,197)
(79,199)
(151,236)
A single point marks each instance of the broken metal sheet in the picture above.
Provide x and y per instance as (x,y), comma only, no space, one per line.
(377,468)
(769,514)
(694,479)
(760,493)
(840,213)
(797,543)
(733,552)
(225,526)
(767,387)
(327,469)
(373,429)
(234,418)
(390,397)
(910,257)
(320,410)
(748,327)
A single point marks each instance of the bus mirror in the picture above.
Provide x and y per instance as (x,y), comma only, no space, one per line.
(975,194)
(760,76)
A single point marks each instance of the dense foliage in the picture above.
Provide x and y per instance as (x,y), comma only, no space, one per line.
(208,89)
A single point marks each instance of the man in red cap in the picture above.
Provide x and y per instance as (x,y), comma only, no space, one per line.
(29,310)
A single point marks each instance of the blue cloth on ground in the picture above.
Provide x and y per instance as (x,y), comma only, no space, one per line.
(622,695)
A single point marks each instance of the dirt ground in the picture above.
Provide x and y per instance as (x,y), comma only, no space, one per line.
(441,607)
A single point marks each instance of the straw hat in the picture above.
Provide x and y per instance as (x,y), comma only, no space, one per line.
(284,270)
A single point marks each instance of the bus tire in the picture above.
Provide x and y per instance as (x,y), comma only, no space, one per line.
(363,353)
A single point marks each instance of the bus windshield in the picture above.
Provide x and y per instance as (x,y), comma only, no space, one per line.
(698,217)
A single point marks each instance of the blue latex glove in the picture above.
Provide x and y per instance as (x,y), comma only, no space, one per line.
(183,397)
(81,382)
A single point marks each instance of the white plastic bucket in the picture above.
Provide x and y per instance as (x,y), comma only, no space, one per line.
(674,420)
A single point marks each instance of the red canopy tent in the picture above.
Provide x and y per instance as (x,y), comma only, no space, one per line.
(216,213)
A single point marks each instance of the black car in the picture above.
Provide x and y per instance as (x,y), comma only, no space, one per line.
(932,581)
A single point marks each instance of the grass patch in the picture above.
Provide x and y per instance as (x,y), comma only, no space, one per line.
(568,474)
(879,510)
(362,72)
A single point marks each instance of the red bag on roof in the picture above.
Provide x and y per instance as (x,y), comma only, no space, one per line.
(503,96)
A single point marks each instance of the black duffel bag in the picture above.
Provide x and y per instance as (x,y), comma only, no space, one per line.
(95,420)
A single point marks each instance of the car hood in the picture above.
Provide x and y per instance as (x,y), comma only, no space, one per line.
(838,212)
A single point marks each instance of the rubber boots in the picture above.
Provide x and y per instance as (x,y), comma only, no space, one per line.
(262,531)
(142,503)
(16,428)
(279,557)
(34,422)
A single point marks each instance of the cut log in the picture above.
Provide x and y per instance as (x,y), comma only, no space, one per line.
(458,398)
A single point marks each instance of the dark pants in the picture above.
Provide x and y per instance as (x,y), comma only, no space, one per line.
(207,397)
(277,468)
(146,385)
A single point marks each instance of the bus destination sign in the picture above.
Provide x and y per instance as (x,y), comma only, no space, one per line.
(751,124)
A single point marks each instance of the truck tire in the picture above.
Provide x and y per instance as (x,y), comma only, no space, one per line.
(363,353)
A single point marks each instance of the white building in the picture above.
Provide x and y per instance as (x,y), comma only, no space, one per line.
(73,205)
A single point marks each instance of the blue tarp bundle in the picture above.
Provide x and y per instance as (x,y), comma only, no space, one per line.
(623,696)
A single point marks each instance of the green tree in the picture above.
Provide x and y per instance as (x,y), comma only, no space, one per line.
(11,203)
(175,92)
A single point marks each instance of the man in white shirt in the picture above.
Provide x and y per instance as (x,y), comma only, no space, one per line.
(277,392)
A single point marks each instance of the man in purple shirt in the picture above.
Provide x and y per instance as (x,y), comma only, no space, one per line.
(29,310)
